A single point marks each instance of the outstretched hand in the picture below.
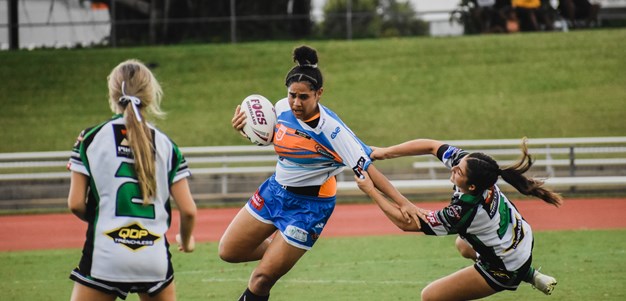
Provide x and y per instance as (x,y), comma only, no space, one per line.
(378,153)
(411,213)
(408,212)
(239,120)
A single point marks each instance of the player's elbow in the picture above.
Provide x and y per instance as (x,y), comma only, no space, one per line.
(78,211)
(188,214)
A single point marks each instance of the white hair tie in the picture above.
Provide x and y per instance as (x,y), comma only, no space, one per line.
(125,99)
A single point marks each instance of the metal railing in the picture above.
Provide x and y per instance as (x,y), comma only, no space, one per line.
(227,172)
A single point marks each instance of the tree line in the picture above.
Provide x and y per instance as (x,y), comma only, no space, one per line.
(186,21)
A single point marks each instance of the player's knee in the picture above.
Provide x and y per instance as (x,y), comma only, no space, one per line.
(227,253)
(428,294)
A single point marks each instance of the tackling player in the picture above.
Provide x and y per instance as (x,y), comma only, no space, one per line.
(491,230)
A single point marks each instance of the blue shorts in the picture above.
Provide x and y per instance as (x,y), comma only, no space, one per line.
(299,218)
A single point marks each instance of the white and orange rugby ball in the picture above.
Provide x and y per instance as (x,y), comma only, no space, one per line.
(260,119)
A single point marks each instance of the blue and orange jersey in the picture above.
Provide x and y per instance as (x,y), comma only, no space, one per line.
(313,156)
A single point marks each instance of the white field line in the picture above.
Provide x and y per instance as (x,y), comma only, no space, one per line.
(325,281)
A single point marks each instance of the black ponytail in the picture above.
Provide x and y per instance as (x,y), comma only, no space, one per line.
(483,172)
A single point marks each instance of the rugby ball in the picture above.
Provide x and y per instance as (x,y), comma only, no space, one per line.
(260,119)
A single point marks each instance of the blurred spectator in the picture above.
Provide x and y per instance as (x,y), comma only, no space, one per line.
(579,12)
(491,15)
(533,15)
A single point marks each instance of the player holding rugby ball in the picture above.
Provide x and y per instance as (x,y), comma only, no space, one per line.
(313,146)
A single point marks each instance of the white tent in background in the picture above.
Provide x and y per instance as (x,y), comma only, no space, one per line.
(56,23)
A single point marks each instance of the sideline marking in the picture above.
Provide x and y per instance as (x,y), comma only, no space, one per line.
(319,281)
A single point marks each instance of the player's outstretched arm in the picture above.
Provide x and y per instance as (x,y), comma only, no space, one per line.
(391,210)
(410,148)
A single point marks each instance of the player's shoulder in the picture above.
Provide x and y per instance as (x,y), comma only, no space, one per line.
(91,131)
(282,105)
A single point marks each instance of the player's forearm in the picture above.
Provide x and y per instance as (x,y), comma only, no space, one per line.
(391,210)
(382,183)
(413,148)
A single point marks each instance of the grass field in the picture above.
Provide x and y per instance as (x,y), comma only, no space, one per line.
(476,87)
(481,87)
(588,264)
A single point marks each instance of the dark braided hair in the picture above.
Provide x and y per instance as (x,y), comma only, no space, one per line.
(306,70)
(483,172)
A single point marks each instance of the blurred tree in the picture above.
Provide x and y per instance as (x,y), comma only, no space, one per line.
(174,21)
(365,20)
(399,19)
(371,19)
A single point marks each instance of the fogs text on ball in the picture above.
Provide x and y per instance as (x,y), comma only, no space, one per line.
(260,119)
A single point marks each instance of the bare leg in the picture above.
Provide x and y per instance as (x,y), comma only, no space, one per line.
(85,293)
(465,284)
(465,249)
(279,258)
(245,239)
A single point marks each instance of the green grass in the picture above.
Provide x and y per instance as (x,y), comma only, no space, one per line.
(479,87)
(590,265)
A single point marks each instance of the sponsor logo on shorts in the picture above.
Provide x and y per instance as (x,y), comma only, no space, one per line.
(358,168)
(257,201)
(500,274)
(133,236)
(296,233)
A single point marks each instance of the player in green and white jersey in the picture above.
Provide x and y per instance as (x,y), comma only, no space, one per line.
(491,231)
(123,173)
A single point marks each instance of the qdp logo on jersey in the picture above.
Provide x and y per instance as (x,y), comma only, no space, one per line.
(133,236)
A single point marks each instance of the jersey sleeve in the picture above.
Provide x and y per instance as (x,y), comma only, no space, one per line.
(354,153)
(75,162)
(452,219)
(180,169)
(450,155)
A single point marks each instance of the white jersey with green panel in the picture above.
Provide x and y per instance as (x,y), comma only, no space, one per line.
(489,222)
(125,239)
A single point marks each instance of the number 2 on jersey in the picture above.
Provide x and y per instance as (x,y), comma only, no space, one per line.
(129,191)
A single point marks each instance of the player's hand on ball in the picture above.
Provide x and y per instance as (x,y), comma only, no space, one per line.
(239,120)
(190,246)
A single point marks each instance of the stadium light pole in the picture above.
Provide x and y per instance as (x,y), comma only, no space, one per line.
(14,25)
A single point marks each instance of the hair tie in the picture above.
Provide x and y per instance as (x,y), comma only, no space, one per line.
(125,99)
(309,65)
